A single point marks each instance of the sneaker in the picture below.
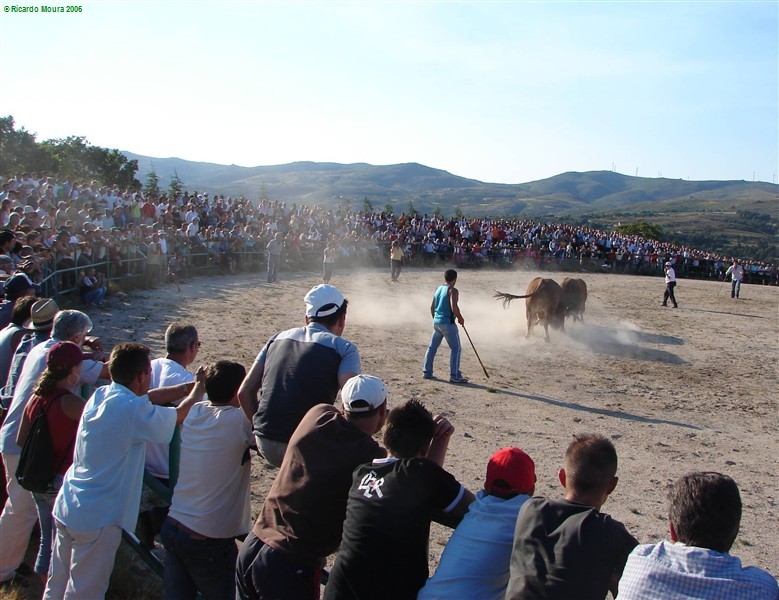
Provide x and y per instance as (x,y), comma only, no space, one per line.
(460,379)
(426,376)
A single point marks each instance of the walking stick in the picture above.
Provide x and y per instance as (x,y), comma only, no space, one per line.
(476,353)
(720,286)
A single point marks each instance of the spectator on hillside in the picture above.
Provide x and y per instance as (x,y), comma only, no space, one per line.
(704,514)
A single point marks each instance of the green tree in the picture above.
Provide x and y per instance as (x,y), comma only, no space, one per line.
(366,205)
(649,231)
(152,187)
(458,213)
(19,150)
(388,208)
(176,184)
(264,194)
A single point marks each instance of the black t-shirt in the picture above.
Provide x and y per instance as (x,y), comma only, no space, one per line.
(565,550)
(384,546)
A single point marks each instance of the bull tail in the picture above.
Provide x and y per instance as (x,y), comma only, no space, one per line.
(507,298)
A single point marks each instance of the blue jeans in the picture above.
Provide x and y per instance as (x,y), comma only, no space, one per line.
(441,331)
(274,260)
(735,288)
(45,504)
(95,296)
(198,565)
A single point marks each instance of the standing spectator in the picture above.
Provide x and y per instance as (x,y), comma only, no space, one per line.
(211,503)
(16,286)
(445,309)
(182,345)
(301,521)
(19,515)
(11,335)
(328,262)
(568,548)
(101,491)
(390,506)
(274,248)
(736,272)
(670,284)
(396,260)
(475,562)
(297,369)
(55,395)
(705,514)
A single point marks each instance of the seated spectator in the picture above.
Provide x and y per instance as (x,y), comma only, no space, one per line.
(390,506)
(301,521)
(211,504)
(568,548)
(475,562)
(705,514)
(93,287)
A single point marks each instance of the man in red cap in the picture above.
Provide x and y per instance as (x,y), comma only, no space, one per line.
(475,562)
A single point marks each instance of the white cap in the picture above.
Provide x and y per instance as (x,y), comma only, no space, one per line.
(323,300)
(365,391)
(668,264)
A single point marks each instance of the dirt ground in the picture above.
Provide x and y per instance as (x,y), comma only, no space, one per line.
(692,388)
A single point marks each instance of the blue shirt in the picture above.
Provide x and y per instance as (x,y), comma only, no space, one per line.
(442,306)
(668,570)
(103,485)
(475,562)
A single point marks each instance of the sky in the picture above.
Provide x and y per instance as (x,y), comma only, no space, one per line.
(502,92)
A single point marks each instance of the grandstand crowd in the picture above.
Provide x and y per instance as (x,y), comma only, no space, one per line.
(69,226)
(190,435)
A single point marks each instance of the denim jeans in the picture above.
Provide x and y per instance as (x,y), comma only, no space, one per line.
(735,288)
(45,504)
(192,565)
(449,332)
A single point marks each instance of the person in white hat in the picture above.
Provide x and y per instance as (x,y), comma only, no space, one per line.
(301,521)
(670,284)
(297,369)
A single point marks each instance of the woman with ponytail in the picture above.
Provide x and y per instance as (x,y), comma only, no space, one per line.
(56,395)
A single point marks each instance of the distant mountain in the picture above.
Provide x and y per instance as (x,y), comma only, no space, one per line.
(428,189)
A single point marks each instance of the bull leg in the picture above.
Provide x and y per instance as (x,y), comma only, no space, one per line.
(529,324)
(546,330)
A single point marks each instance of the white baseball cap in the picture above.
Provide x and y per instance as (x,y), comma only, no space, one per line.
(323,300)
(363,393)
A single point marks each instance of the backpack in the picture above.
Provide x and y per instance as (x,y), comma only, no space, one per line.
(36,471)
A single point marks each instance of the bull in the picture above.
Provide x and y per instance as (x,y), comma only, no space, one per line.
(573,298)
(542,304)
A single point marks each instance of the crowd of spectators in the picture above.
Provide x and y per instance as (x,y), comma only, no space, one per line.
(68,226)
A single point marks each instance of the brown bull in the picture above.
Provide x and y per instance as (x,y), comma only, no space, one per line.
(542,304)
(574,297)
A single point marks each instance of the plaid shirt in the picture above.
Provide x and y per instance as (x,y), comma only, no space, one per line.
(675,571)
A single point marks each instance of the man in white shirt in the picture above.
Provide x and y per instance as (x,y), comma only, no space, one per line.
(101,491)
(670,284)
(736,272)
(212,503)
(181,346)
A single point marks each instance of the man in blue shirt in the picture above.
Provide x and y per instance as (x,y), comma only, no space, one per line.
(445,309)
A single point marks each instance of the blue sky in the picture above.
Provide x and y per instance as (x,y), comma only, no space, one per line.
(503,92)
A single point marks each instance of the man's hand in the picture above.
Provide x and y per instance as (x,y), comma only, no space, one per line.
(440,443)
(443,428)
(94,343)
(461,321)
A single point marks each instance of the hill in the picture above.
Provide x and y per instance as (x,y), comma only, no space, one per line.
(708,213)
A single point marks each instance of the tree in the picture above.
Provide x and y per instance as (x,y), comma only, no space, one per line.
(152,187)
(458,213)
(264,194)
(176,184)
(20,152)
(388,208)
(367,206)
(646,230)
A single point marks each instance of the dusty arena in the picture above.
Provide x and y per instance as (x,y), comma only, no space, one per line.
(675,389)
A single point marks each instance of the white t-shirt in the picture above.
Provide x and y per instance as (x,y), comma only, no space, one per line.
(212,494)
(164,372)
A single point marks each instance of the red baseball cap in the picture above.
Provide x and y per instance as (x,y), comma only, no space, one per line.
(64,355)
(510,472)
